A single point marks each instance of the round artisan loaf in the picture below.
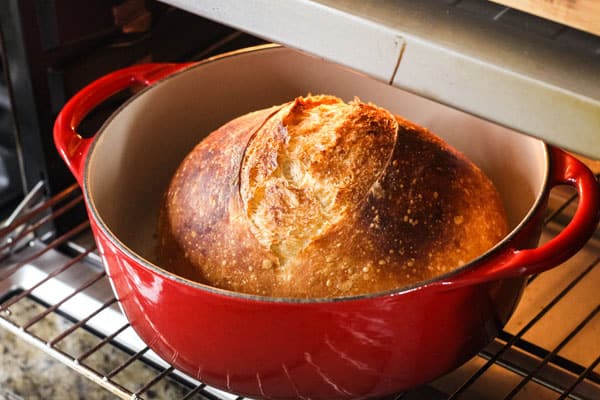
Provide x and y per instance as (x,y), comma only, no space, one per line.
(321,198)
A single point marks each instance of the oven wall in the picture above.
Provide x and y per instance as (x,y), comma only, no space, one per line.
(51,49)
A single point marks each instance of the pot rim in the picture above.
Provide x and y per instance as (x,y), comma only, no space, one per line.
(106,231)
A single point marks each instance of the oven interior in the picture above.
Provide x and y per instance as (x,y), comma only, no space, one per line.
(56,303)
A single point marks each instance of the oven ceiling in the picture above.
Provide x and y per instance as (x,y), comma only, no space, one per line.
(529,74)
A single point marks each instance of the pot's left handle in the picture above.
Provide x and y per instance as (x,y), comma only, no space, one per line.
(73,147)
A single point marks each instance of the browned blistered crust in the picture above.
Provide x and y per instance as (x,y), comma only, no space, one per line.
(319,198)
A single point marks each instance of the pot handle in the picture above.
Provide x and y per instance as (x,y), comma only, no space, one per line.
(72,147)
(512,263)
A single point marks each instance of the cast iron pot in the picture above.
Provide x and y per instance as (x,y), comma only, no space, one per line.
(364,346)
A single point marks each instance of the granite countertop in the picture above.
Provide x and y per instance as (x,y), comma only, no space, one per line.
(27,372)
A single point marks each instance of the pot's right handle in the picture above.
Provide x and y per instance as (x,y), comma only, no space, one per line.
(564,170)
(73,147)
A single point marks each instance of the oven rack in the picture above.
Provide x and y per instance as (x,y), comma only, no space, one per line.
(59,281)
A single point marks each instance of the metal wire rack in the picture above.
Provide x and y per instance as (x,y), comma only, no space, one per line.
(54,295)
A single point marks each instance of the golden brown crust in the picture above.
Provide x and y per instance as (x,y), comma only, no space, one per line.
(319,198)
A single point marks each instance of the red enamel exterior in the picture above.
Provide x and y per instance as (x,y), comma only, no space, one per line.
(361,347)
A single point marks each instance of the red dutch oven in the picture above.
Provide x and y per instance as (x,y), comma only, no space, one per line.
(358,347)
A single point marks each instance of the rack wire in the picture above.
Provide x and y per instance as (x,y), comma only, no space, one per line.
(519,363)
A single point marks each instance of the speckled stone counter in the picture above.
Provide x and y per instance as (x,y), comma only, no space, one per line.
(27,372)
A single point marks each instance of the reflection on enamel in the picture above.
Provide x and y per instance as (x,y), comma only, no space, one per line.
(325,378)
(364,339)
(354,362)
(292,383)
(152,289)
(147,292)
(260,387)
(152,342)
(174,358)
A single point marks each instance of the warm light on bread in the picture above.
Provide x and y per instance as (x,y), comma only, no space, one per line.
(321,198)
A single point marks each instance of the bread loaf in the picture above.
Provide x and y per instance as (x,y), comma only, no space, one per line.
(319,198)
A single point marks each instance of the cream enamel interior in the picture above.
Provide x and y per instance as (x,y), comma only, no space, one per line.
(138,149)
